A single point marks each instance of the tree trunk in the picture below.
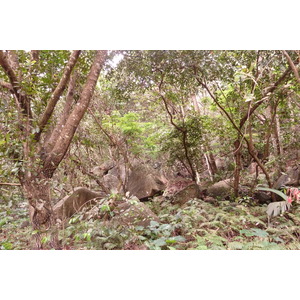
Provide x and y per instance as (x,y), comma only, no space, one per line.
(238,166)
(38,193)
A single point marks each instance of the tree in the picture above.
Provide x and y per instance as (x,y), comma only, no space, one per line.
(45,142)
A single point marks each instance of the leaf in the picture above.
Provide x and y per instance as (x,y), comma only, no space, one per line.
(254,232)
(105,208)
(279,193)
(44,240)
(154,224)
(3,222)
(159,242)
(139,228)
(276,208)
(235,245)
(7,246)
(171,241)
(259,232)
(167,227)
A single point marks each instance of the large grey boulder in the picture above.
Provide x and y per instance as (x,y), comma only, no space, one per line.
(144,181)
(133,212)
(189,192)
(220,189)
(291,178)
(140,180)
(181,191)
(71,204)
(103,168)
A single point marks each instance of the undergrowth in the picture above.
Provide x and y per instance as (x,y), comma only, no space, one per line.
(198,225)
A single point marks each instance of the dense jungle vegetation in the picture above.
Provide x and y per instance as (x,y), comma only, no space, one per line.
(149,150)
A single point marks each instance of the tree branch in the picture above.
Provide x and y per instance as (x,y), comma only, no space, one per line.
(35,55)
(9,183)
(54,158)
(58,92)
(7,85)
(64,116)
(292,65)
(265,95)
(22,98)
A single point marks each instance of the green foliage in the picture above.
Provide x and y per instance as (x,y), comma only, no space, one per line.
(141,136)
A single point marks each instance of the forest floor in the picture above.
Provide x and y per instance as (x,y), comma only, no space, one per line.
(197,225)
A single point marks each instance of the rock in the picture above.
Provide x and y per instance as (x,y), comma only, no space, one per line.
(181,191)
(189,192)
(25,224)
(144,181)
(133,212)
(262,197)
(73,203)
(175,186)
(220,189)
(252,168)
(112,183)
(291,178)
(103,168)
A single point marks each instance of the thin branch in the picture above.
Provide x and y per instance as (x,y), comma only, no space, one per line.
(113,143)
(265,96)
(251,152)
(180,129)
(22,98)
(7,85)
(292,65)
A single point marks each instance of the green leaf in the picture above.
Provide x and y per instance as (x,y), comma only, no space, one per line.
(175,239)
(139,228)
(105,207)
(3,222)
(279,193)
(159,242)
(235,245)
(254,232)
(7,246)
(44,240)
(154,224)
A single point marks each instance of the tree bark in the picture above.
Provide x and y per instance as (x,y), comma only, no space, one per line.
(63,119)
(53,159)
